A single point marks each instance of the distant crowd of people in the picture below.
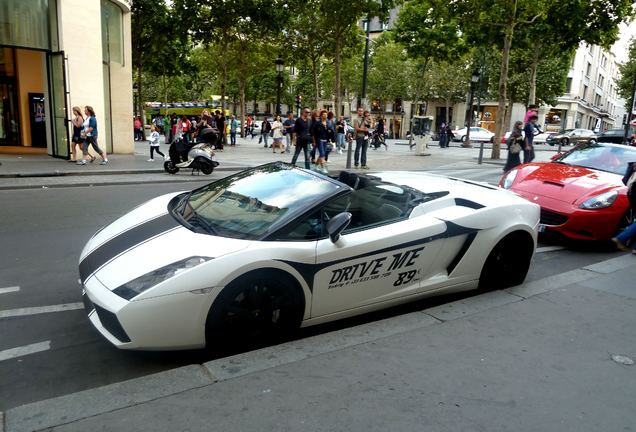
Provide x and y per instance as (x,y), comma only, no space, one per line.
(314,133)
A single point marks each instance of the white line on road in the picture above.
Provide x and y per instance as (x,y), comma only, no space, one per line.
(9,289)
(549,249)
(40,310)
(25,350)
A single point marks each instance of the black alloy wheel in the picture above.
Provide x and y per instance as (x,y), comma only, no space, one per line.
(565,141)
(205,166)
(255,308)
(508,263)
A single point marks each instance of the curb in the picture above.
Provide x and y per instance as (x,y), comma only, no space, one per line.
(101,172)
(93,402)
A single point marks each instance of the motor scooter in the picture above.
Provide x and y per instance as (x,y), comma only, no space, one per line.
(200,157)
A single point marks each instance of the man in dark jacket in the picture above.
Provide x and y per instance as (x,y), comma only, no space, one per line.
(303,137)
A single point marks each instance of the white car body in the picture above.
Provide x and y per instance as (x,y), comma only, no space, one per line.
(440,246)
(476,134)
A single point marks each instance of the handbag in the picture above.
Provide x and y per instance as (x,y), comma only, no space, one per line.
(515,148)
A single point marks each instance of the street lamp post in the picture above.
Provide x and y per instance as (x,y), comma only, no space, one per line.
(279,82)
(474,78)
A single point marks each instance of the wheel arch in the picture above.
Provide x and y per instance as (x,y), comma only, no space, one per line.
(524,246)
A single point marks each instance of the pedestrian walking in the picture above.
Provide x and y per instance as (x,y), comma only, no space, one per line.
(361,126)
(443,136)
(154,141)
(379,130)
(233,128)
(186,129)
(288,131)
(528,129)
(515,144)
(320,131)
(220,125)
(340,134)
(77,139)
(266,128)
(277,134)
(303,137)
(90,133)
(137,128)
(627,238)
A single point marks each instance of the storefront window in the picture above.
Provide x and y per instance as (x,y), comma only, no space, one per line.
(112,33)
(555,120)
(25,23)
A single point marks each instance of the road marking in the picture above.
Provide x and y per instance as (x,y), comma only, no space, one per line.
(40,310)
(25,350)
(9,289)
(549,249)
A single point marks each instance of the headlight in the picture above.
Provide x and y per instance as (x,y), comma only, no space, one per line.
(600,201)
(142,283)
(510,178)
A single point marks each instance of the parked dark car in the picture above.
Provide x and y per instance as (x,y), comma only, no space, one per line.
(614,135)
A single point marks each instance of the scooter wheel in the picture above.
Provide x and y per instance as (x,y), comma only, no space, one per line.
(207,168)
(170,167)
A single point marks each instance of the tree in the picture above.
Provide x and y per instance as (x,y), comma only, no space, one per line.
(388,76)
(159,45)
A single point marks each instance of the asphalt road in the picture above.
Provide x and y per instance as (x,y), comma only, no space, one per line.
(54,349)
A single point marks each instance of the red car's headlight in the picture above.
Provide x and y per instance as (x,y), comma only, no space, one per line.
(600,201)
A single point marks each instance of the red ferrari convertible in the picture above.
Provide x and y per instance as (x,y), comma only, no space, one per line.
(580,192)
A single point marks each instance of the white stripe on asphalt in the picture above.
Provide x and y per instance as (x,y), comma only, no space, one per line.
(25,350)
(549,249)
(9,289)
(40,310)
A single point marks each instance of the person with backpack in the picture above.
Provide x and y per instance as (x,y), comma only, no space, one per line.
(266,128)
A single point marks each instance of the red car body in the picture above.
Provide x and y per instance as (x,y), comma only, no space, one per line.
(561,189)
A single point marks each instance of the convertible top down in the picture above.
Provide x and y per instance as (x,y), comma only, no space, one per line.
(275,247)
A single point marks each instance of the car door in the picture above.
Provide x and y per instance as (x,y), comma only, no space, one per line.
(374,262)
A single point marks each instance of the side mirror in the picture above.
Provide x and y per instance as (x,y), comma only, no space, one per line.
(337,224)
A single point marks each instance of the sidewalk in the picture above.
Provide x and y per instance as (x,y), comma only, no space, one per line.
(549,355)
(37,170)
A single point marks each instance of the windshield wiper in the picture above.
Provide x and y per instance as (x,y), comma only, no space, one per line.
(197,221)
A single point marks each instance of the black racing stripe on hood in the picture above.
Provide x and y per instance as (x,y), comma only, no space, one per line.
(308,271)
(125,241)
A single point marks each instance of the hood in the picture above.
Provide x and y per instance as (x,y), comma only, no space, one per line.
(566,183)
(146,239)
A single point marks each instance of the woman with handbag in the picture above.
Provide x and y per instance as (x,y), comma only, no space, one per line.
(514,143)
(628,235)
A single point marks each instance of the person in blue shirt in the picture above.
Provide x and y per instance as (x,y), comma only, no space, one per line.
(528,130)
(90,137)
(233,128)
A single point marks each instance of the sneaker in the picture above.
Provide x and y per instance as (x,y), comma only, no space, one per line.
(619,244)
(104,162)
(83,162)
(93,159)
(356,166)
(339,151)
(166,158)
(150,160)
(365,167)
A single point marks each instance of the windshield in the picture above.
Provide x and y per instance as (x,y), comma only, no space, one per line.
(247,204)
(608,158)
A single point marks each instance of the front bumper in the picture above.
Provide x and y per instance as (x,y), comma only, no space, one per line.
(175,321)
(573,222)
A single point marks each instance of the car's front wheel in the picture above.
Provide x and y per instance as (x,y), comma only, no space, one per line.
(565,141)
(259,307)
(463,138)
(508,262)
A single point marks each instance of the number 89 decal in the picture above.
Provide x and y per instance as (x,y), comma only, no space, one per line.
(405,277)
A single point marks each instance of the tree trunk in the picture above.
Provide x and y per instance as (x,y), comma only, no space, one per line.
(337,97)
(508,121)
(503,88)
(314,67)
(140,101)
(532,97)
(224,50)
(416,99)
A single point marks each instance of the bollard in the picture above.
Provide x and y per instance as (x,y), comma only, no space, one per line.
(481,153)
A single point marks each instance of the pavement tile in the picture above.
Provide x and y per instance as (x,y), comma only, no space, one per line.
(471,305)
(88,403)
(540,286)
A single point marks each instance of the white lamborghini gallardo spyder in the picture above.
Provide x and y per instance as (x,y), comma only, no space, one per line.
(273,248)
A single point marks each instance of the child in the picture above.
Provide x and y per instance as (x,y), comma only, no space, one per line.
(153,140)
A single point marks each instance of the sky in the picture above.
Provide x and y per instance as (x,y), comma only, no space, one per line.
(628,31)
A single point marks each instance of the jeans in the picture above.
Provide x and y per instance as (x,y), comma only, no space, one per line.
(360,153)
(265,138)
(233,138)
(304,146)
(340,140)
(528,155)
(289,142)
(627,234)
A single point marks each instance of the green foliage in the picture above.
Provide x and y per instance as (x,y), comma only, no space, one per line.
(625,84)
(388,77)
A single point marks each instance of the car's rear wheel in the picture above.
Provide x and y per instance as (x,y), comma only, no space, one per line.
(463,138)
(565,141)
(508,262)
(259,307)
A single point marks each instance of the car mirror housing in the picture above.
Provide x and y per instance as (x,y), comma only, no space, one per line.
(337,224)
